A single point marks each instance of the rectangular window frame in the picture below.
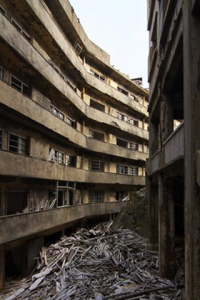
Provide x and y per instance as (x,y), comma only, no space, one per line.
(133,170)
(98,75)
(20,86)
(96,165)
(96,196)
(122,169)
(56,112)
(19,145)
(93,134)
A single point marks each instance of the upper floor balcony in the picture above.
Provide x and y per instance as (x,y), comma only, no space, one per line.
(31,167)
(172,151)
(15,227)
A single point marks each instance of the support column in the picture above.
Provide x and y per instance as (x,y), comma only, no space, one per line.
(153,138)
(2,268)
(152,191)
(191,58)
(168,118)
(166,229)
(32,250)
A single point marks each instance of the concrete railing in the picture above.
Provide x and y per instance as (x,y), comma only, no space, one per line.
(173,149)
(30,167)
(15,227)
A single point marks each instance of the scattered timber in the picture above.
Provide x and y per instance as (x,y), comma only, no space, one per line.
(97,264)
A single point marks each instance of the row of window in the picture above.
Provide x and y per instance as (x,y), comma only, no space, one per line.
(127,119)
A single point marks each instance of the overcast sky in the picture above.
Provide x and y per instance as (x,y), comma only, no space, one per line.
(119,27)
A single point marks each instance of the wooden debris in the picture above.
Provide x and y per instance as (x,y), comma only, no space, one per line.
(100,264)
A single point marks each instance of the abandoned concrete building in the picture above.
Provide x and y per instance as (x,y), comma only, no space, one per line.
(73,130)
(174,166)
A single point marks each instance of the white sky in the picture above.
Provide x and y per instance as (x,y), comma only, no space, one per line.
(119,27)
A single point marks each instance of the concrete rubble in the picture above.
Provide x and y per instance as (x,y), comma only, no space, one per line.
(100,263)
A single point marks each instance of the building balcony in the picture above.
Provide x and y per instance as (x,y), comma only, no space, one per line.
(15,227)
(172,151)
(31,167)
(44,118)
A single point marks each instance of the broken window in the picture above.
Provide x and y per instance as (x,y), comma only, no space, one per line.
(1,139)
(120,195)
(16,201)
(96,165)
(97,75)
(123,91)
(18,144)
(96,135)
(133,122)
(59,157)
(133,146)
(77,49)
(97,105)
(19,85)
(122,117)
(96,196)
(2,73)
(122,143)
(122,169)
(133,97)
(71,122)
(56,112)
(70,160)
(66,193)
(133,171)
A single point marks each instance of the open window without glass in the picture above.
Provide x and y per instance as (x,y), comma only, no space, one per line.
(18,144)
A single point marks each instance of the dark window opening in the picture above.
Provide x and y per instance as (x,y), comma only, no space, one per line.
(71,122)
(70,160)
(16,202)
(19,85)
(96,196)
(1,139)
(97,105)
(2,73)
(96,135)
(122,91)
(14,263)
(18,144)
(122,143)
(120,195)
(96,165)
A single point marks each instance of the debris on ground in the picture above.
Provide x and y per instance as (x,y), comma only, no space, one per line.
(100,264)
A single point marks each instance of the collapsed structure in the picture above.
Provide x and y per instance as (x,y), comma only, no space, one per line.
(173,167)
(73,130)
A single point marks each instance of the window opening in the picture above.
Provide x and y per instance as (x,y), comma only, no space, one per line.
(19,85)
(96,165)
(18,144)
(96,196)
(71,122)
(96,135)
(97,75)
(133,146)
(133,171)
(56,112)
(77,48)
(120,89)
(122,169)
(97,105)
(122,143)
(70,160)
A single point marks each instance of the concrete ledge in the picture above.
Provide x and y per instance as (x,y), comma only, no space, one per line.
(23,225)
(30,167)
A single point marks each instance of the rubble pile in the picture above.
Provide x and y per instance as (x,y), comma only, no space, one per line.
(101,264)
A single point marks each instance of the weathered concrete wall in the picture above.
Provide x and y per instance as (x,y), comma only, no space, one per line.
(23,225)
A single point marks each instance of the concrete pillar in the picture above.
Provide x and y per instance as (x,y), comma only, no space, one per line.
(153,138)
(191,58)
(166,229)
(32,249)
(2,268)
(168,118)
(3,202)
(152,191)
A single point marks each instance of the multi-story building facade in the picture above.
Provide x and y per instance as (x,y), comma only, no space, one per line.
(73,130)
(173,167)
